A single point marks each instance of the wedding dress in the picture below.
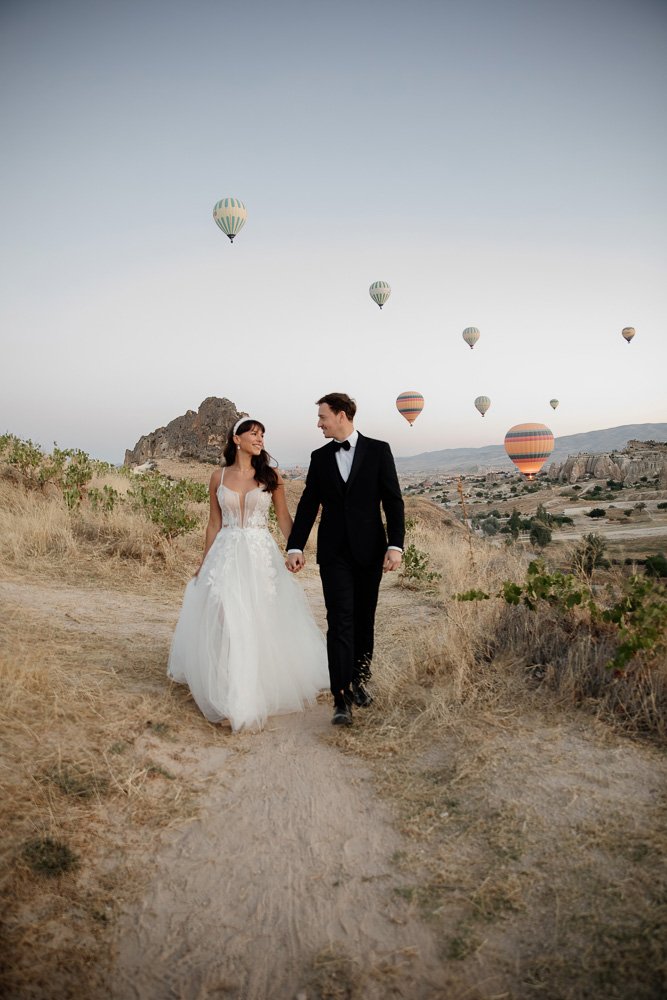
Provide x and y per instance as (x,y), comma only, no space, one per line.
(246,643)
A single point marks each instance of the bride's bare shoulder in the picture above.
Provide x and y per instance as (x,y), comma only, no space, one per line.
(216,479)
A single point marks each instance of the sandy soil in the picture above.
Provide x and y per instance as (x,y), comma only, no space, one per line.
(289,859)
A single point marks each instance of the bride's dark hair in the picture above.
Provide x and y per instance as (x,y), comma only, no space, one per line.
(265,474)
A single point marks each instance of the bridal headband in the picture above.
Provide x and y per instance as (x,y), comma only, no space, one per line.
(245,420)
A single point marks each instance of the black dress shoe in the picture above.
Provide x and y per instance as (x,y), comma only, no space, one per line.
(360,696)
(342,713)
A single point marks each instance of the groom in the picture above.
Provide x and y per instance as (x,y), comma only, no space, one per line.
(351,479)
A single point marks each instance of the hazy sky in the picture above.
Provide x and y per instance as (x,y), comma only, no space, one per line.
(501,163)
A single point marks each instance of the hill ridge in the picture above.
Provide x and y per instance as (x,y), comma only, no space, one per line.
(493,455)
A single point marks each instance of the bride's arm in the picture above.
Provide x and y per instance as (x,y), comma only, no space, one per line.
(214,517)
(283,516)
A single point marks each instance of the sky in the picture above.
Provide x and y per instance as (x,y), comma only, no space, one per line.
(501,163)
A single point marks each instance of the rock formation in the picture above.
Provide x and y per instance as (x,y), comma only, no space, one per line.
(199,435)
(637,460)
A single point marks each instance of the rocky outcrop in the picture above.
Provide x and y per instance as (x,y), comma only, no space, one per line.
(638,460)
(199,435)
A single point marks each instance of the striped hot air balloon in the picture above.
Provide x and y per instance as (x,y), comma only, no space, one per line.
(471,336)
(553,403)
(482,403)
(529,446)
(379,292)
(230,215)
(410,405)
(628,333)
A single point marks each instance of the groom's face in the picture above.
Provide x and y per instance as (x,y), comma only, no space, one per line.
(329,423)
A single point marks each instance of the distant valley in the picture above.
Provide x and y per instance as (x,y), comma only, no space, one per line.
(494,456)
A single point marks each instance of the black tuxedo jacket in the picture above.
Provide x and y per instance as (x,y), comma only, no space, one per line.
(351,511)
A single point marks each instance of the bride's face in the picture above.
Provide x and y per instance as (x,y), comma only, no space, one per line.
(251,441)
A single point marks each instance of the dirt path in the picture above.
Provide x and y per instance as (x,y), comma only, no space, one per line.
(285,876)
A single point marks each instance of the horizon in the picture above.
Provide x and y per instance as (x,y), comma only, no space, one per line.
(305,458)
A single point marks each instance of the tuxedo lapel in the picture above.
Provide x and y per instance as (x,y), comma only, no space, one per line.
(332,467)
(359,452)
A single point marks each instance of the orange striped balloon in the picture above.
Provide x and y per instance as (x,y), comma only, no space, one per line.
(529,446)
(410,405)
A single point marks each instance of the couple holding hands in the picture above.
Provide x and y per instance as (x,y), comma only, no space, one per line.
(246,643)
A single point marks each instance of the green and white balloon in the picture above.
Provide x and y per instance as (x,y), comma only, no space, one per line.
(230,215)
(379,292)
(482,403)
(471,336)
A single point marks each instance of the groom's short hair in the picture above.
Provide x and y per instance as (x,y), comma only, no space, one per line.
(339,402)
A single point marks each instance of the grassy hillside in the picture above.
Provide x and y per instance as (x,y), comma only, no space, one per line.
(499,735)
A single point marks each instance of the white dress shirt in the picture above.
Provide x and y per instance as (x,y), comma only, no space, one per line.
(345,458)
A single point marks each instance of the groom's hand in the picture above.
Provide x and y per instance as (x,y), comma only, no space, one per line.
(295,561)
(392,560)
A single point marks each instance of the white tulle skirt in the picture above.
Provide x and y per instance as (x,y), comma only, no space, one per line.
(246,643)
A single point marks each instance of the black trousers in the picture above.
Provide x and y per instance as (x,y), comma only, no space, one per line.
(350,596)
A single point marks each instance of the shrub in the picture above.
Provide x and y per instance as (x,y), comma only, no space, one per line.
(656,565)
(163,501)
(26,456)
(414,567)
(104,499)
(638,617)
(589,554)
(540,534)
(597,512)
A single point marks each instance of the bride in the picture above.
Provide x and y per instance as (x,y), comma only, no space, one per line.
(246,643)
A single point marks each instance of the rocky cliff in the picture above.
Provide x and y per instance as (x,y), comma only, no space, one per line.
(199,435)
(637,460)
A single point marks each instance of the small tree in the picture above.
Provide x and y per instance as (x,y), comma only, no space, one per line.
(589,555)
(540,534)
(514,524)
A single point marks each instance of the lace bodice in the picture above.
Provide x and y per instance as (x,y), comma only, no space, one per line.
(249,511)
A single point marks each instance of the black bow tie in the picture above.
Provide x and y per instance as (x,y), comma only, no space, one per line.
(345,445)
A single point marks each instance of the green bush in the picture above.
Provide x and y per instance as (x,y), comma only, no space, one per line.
(656,565)
(69,469)
(163,501)
(589,554)
(104,499)
(638,616)
(540,534)
(596,512)
(414,567)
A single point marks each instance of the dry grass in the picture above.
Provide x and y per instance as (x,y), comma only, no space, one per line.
(86,728)
(40,537)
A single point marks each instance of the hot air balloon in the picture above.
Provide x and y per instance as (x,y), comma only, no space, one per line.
(553,403)
(230,215)
(471,336)
(628,333)
(379,292)
(482,403)
(529,446)
(410,405)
